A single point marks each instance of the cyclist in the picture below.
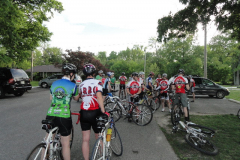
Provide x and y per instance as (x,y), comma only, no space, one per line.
(141,81)
(192,87)
(107,85)
(134,88)
(61,93)
(103,78)
(149,84)
(91,107)
(99,76)
(113,81)
(158,80)
(164,86)
(123,80)
(179,84)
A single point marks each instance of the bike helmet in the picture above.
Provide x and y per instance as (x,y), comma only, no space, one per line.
(109,74)
(181,71)
(101,120)
(151,74)
(68,68)
(100,71)
(164,75)
(103,74)
(134,74)
(123,73)
(141,73)
(89,69)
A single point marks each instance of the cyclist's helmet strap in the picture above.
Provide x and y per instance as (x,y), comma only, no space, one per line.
(68,68)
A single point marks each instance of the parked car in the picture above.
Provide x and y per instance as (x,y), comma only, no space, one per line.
(13,81)
(207,87)
(47,82)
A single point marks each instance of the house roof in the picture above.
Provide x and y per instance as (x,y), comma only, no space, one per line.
(45,68)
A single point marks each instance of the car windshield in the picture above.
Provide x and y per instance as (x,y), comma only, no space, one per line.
(19,73)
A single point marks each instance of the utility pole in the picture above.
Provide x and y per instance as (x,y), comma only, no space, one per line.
(205,50)
(32,67)
(145,61)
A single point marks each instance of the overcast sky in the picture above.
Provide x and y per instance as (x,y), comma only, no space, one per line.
(111,25)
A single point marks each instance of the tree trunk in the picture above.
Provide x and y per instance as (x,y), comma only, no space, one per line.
(237,76)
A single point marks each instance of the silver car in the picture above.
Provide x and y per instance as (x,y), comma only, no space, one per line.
(47,82)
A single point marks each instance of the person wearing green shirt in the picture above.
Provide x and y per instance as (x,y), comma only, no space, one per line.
(99,76)
(113,81)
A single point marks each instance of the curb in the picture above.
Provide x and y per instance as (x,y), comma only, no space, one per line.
(231,100)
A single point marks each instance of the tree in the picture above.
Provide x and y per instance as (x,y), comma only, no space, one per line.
(22,26)
(226,14)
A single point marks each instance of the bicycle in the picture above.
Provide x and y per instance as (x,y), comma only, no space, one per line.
(121,94)
(238,114)
(50,148)
(197,137)
(109,140)
(177,112)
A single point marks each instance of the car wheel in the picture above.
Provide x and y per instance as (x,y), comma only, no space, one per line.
(44,85)
(2,94)
(220,94)
(18,93)
(211,96)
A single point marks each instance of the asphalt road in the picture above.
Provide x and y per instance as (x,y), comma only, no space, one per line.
(20,131)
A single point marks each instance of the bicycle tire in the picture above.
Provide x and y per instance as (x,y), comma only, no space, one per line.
(36,152)
(204,146)
(153,105)
(110,106)
(116,143)
(97,151)
(142,115)
(176,115)
(238,114)
(202,129)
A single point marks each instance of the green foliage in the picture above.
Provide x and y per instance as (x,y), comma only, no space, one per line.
(22,26)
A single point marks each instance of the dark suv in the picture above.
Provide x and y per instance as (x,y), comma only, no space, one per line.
(207,87)
(13,81)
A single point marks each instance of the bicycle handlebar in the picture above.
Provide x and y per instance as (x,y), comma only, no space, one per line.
(78,114)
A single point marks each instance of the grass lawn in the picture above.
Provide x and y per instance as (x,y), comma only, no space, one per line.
(234,94)
(226,139)
(34,83)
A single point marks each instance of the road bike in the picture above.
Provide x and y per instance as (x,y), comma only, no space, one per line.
(153,102)
(50,148)
(122,95)
(109,140)
(197,137)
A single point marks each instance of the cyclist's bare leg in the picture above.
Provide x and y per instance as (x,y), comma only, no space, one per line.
(65,140)
(185,111)
(169,107)
(162,101)
(85,144)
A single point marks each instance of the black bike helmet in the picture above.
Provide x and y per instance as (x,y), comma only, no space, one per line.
(123,73)
(134,74)
(68,68)
(89,69)
(181,71)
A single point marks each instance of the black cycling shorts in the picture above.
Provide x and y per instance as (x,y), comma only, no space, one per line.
(88,120)
(105,92)
(122,86)
(64,124)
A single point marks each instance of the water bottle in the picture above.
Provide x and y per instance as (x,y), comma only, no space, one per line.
(109,134)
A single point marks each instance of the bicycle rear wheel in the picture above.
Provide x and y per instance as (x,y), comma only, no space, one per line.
(97,152)
(201,144)
(176,115)
(36,153)
(238,114)
(116,114)
(142,115)
(155,104)
(116,142)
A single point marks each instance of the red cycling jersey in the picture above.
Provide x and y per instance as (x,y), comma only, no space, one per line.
(133,86)
(163,86)
(88,90)
(158,80)
(103,80)
(122,79)
(180,84)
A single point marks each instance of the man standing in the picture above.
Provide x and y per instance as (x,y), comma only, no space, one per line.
(113,81)
(99,76)
(192,87)
(123,80)
(179,84)
(134,88)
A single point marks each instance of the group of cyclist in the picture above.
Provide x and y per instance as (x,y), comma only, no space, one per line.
(93,92)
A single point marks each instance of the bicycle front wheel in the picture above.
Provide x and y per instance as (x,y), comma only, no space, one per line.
(37,152)
(142,115)
(116,114)
(201,144)
(116,142)
(97,152)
